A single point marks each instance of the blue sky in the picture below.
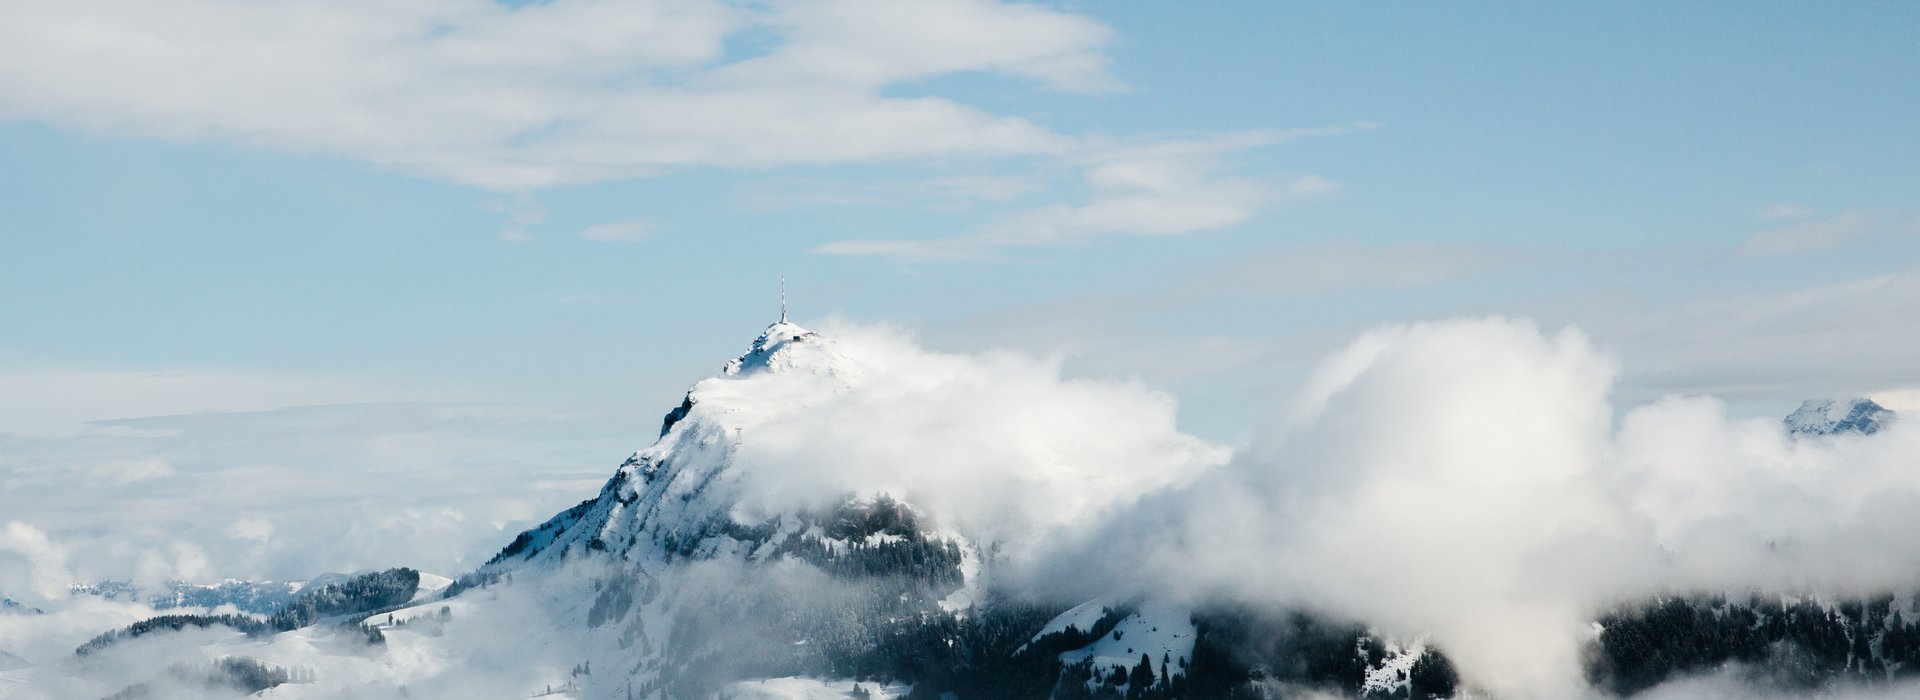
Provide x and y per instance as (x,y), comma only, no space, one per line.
(401,203)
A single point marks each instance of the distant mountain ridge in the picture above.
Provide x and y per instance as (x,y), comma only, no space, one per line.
(258,597)
(9,606)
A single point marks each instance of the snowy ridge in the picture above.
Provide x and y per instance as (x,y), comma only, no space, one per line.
(1829,417)
(682,497)
(767,347)
(260,597)
(1083,617)
(1161,634)
(679,508)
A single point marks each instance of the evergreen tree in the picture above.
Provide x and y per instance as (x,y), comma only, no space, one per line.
(1141,679)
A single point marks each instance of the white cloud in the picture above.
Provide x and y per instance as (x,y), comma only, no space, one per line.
(32,567)
(544,94)
(1308,186)
(254,528)
(1799,231)
(528,96)
(1807,235)
(49,639)
(289,493)
(127,471)
(1466,481)
(176,561)
(522,212)
(945,193)
(994,442)
(913,251)
(619,231)
(869,44)
(1898,399)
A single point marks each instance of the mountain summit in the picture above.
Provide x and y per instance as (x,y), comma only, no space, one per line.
(1830,417)
(766,347)
(682,495)
(694,572)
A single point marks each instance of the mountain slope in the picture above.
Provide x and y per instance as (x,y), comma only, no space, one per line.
(1829,417)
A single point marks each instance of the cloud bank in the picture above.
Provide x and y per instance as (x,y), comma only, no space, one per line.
(289,493)
(1470,482)
(1467,481)
(1154,188)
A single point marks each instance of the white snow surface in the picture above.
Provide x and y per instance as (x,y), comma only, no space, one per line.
(1082,617)
(430,585)
(1395,672)
(1163,632)
(973,576)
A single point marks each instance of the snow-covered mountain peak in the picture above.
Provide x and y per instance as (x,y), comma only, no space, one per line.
(1830,417)
(770,348)
(686,495)
(993,447)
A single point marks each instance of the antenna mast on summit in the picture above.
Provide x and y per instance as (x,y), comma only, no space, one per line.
(783,298)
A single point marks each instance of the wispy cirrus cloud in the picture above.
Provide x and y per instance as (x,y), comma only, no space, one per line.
(938,193)
(1800,230)
(74,401)
(623,231)
(1362,267)
(1148,188)
(519,98)
(1843,338)
(1806,235)
(521,212)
